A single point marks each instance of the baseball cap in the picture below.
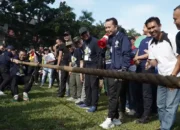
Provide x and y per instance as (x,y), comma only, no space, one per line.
(76,39)
(46,48)
(69,43)
(10,47)
(82,30)
(66,33)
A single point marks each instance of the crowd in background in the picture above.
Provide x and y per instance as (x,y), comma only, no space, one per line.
(153,52)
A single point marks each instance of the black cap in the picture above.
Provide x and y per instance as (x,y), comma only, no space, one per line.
(82,30)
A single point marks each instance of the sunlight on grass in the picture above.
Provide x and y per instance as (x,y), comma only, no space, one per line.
(45,111)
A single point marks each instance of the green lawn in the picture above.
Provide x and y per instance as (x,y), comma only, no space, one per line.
(45,111)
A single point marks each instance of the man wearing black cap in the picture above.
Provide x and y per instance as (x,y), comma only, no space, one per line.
(64,59)
(91,57)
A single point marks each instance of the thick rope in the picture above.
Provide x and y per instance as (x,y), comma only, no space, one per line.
(169,81)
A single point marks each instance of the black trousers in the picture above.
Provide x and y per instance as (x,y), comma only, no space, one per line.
(55,75)
(91,90)
(146,96)
(62,86)
(27,81)
(5,77)
(116,89)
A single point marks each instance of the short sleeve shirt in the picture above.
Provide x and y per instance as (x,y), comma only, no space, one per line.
(65,54)
(163,52)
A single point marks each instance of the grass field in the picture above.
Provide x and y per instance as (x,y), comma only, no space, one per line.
(45,111)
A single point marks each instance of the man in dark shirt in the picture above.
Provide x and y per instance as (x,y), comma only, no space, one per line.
(5,61)
(145,93)
(75,83)
(63,60)
(91,58)
(20,76)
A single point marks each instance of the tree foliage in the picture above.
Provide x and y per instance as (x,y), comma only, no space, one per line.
(34,21)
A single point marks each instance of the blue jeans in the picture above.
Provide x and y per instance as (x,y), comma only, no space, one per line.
(47,71)
(167,103)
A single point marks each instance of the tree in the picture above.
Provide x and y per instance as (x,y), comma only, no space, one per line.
(133,32)
(86,17)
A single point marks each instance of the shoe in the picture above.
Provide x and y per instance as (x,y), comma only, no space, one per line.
(131,112)
(84,106)
(35,83)
(142,120)
(121,115)
(107,124)
(116,122)
(2,93)
(25,96)
(78,100)
(15,98)
(92,109)
(127,110)
(71,99)
(79,103)
(50,86)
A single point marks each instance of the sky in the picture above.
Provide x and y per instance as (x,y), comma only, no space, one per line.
(129,13)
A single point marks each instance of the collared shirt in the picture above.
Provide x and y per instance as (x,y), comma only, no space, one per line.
(163,52)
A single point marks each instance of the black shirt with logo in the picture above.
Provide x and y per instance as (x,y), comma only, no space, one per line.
(76,57)
(178,42)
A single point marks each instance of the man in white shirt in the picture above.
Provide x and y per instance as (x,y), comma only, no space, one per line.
(162,55)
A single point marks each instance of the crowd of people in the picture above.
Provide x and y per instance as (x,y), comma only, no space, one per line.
(156,53)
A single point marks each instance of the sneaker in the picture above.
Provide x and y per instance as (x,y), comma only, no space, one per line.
(2,93)
(78,100)
(121,115)
(107,124)
(79,103)
(84,106)
(131,112)
(71,99)
(50,86)
(25,96)
(15,98)
(127,110)
(36,84)
(92,109)
(116,122)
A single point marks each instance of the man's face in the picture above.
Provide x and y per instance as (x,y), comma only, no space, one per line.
(176,17)
(154,29)
(132,42)
(59,42)
(66,37)
(22,55)
(71,48)
(2,48)
(41,48)
(110,28)
(85,36)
